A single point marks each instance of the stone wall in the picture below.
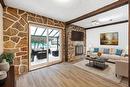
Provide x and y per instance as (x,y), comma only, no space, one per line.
(1,29)
(16,31)
(71,44)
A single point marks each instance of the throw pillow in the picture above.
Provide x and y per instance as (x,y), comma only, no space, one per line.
(119,52)
(106,51)
(96,49)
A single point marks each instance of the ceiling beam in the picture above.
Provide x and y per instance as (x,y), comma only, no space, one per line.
(43,31)
(35,31)
(107,24)
(99,11)
(56,33)
(2,3)
(50,32)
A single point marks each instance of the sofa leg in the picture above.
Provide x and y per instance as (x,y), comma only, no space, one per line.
(116,75)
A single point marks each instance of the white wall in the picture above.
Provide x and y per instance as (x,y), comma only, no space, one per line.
(93,36)
(1,29)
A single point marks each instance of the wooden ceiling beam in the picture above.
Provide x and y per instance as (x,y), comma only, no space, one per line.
(99,11)
(2,3)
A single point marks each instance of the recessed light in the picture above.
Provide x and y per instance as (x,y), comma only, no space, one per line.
(109,18)
(95,22)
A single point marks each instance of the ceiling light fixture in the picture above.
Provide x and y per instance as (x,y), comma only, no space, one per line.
(110,18)
(95,22)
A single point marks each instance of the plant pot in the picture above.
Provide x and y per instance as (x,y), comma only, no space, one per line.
(3,76)
(4,66)
(2,82)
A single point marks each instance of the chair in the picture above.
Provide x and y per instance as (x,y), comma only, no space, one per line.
(55,53)
(42,54)
(121,68)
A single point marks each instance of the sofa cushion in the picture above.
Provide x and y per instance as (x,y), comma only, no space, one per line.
(93,54)
(118,52)
(112,51)
(106,51)
(101,50)
(114,57)
(96,49)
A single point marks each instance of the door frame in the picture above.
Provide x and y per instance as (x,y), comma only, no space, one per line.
(29,49)
(129,43)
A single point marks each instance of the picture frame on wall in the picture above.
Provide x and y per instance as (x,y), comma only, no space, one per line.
(110,38)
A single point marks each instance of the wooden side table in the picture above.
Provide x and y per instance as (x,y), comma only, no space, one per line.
(10,81)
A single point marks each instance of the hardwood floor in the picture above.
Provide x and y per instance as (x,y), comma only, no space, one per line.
(62,75)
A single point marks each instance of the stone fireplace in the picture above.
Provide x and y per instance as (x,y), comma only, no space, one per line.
(75,49)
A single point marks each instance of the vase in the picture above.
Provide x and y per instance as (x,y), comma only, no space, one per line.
(4,66)
(3,76)
(99,54)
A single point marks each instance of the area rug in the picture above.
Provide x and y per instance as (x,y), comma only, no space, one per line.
(108,73)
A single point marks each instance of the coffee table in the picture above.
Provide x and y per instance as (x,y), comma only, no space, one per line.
(97,62)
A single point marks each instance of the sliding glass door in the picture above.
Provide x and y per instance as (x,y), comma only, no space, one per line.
(54,45)
(45,47)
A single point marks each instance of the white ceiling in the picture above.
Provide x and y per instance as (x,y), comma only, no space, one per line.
(63,10)
(118,14)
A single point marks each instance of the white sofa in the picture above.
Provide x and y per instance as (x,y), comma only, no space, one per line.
(112,57)
(121,68)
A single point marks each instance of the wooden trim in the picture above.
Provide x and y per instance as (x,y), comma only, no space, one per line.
(107,24)
(66,44)
(129,47)
(46,25)
(99,11)
(2,3)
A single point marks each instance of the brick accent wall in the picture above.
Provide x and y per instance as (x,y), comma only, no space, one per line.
(71,44)
(16,31)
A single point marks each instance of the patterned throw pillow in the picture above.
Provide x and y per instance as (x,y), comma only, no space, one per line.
(119,52)
(101,50)
(112,51)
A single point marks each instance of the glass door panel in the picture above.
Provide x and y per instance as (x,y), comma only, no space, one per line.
(54,45)
(38,45)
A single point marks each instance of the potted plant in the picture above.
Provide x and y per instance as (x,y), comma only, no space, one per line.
(6,59)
